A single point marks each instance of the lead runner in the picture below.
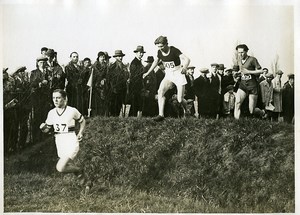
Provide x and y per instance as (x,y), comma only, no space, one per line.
(62,118)
(175,64)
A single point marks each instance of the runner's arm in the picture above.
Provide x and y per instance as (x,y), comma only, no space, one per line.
(154,64)
(185,61)
(250,72)
(81,129)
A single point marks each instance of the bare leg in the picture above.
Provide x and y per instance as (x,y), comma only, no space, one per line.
(180,95)
(163,88)
(252,102)
(240,97)
(65,165)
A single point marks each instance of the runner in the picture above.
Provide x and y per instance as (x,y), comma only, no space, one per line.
(175,64)
(62,120)
(248,86)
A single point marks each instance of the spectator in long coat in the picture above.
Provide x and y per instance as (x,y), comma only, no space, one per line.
(189,90)
(40,91)
(150,108)
(136,82)
(277,95)
(288,102)
(74,72)
(56,75)
(266,89)
(99,95)
(9,114)
(206,89)
(117,78)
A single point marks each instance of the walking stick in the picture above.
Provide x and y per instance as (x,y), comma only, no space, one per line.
(90,84)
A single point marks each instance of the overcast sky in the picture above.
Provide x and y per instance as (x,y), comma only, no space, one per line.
(206,31)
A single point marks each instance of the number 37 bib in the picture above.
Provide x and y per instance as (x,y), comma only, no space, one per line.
(61,128)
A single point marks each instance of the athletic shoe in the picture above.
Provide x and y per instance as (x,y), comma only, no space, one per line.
(158,118)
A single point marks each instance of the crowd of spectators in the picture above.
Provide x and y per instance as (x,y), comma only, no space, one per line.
(104,88)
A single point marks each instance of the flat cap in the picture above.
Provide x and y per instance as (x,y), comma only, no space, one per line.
(279,72)
(204,70)
(214,64)
(291,76)
(41,58)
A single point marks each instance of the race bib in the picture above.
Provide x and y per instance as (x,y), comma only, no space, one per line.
(169,65)
(60,128)
(246,77)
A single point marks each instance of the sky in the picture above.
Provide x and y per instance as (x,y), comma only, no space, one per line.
(206,31)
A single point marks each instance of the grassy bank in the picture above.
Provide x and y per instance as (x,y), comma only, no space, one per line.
(175,166)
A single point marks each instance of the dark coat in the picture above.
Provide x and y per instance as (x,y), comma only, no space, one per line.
(288,102)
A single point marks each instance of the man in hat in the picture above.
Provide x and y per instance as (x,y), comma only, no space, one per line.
(175,63)
(44,51)
(288,100)
(149,108)
(136,82)
(277,95)
(266,89)
(189,90)
(262,76)
(248,87)
(117,77)
(99,97)
(40,92)
(56,75)
(228,101)
(206,94)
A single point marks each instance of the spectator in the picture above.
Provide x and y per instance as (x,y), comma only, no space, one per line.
(262,76)
(99,97)
(136,82)
(117,84)
(288,101)
(277,95)
(40,92)
(228,101)
(189,90)
(266,89)
(44,51)
(149,108)
(74,72)
(22,94)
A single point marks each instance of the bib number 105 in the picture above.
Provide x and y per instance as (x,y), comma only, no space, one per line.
(61,128)
(169,65)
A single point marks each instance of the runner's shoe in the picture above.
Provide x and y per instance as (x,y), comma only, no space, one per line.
(158,118)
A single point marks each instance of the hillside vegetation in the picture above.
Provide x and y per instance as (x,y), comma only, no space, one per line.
(241,165)
(178,165)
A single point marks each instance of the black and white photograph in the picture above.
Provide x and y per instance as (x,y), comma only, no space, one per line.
(149,106)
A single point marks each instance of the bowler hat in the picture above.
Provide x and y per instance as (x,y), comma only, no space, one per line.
(50,53)
(41,58)
(279,72)
(119,53)
(85,59)
(191,67)
(101,54)
(228,70)
(291,76)
(150,59)
(139,49)
(44,49)
(214,64)
(204,70)
(243,46)
(221,67)
(235,68)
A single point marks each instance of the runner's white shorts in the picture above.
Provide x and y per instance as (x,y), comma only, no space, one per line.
(175,76)
(67,145)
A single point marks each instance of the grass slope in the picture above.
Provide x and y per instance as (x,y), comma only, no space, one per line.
(179,165)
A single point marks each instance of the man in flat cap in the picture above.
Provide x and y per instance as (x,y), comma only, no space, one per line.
(117,77)
(44,51)
(288,99)
(277,95)
(175,63)
(136,82)
(40,97)
(248,87)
